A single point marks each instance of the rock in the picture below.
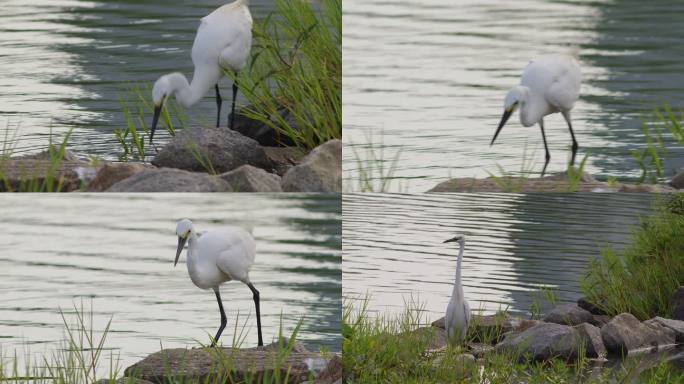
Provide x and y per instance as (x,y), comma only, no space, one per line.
(111,173)
(261,132)
(170,180)
(676,325)
(521,325)
(487,328)
(284,158)
(599,320)
(202,365)
(123,380)
(479,349)
(678,304)
(625,333)
(593,342)
(678,179)
(68,156)
(332,372)
(568,314)
(319,171)
(196,148)
(542,342)
(585,304)
(247,178)
(33,175)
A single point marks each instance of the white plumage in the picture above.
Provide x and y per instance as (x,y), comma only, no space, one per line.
(548,85)
(218,256)
(223,42)
(458,311)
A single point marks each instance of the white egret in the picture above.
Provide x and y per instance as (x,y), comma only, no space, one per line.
(218,256)
(458,310)
(223,42)
(548,85)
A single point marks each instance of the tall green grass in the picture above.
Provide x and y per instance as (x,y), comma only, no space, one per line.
(294,79)
(653,124)
(641,278)
(374,173)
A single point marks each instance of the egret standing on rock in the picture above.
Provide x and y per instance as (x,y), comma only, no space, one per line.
(458,311)
(218,256)
(223,42)
(549,84)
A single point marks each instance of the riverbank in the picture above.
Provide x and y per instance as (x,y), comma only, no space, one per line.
(554,183)
(195,160)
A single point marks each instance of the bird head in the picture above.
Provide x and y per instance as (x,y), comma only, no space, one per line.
(163,88)
(457,238)
(515,96)
(184,229)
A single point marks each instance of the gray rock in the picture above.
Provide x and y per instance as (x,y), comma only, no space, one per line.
(319,171)
(209,365)
(593,343)
(599,320)
(676,325)
(223,148)
(678,304)
(568,314)
(111,173)
(247,178)
(678,179)
(625,333)
(170,180)
(332,372)
(584,303)
(542,342)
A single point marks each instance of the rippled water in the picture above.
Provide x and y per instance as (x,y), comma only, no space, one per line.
(119,258)
(515,243)
(65,63)
(429,78)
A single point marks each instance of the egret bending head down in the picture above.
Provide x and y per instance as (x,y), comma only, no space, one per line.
(216,257)
(548,85)
(458,311)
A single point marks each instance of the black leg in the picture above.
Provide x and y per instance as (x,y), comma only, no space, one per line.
(575,146)
(258,311)
(219,101)
(232,109)
(546,147)
(224,320)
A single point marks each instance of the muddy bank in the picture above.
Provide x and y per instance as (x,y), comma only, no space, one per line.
(553,183)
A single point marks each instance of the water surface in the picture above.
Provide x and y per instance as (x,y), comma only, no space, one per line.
(429,78)
(116,253)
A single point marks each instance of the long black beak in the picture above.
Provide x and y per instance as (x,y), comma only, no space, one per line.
(504,119)
(155,120)
(181,244)
(457,238)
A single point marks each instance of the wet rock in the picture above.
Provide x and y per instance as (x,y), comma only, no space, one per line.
(196,148)
(111,173)
(208,365)
(678,179)
(261,132)
(542,342)
(319,171)
(568,314)
(675,325)
(170,180)
(585,304)
(678,304)
(625,333)
(332,372)
(591,336)
(247,178)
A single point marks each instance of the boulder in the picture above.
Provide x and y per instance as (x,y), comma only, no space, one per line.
(521,325)
(599,320)
(38,172)
(111,173)
(675,325)
(591,336)
(585,304)
(201,149)
(209,365)
(542,342)
(625,333)
(332,372)
(247,178)
(568,314)
(284,158)
(319,171)
(678,304)
(678,179)
(170,180)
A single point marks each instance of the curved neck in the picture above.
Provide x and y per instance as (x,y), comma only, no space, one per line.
(188,94)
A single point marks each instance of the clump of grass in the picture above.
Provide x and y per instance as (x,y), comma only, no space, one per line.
(651,158)
(641,278)
(539,298)
(574,174)
(510,182)
(294,80)
(374,172)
